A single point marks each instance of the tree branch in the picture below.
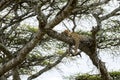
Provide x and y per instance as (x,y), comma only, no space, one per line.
(94,56)
(84,8)
(99,3)
(5,3)
(114,12)
(21,54)
(62,14)
(86,46)
(5,51)
(37,38)
(48,67)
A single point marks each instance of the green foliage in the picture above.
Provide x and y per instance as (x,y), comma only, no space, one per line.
(34,56)
(31,29)
(88,77)
(46,62)
(25,71)
(60,52)
(83,32)
(115,75)
(16,35)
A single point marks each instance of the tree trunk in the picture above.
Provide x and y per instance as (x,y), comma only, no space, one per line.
(101,66)
(87,47)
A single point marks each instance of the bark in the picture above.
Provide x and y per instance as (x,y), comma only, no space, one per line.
(5,3)
(3,78)
(22,54)
(64,13)
(100,66)
(16,75)
(48,67)
(87,47)
(38,37)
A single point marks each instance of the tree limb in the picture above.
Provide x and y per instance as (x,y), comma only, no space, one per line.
(87,47)
(114,12)
(5,3)
(48,67)
(82,9)
(37,38)
(62,14)
(5,51)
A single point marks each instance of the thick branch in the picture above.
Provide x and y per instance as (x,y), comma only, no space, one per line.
(22,54)
(100,66)
(62,14)
(96,61)
(87,47)
(5,3)
(84,45)
(29,46)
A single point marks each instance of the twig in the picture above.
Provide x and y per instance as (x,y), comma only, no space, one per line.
(48,67)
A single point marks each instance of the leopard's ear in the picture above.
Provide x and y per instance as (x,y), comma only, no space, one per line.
(66,32)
